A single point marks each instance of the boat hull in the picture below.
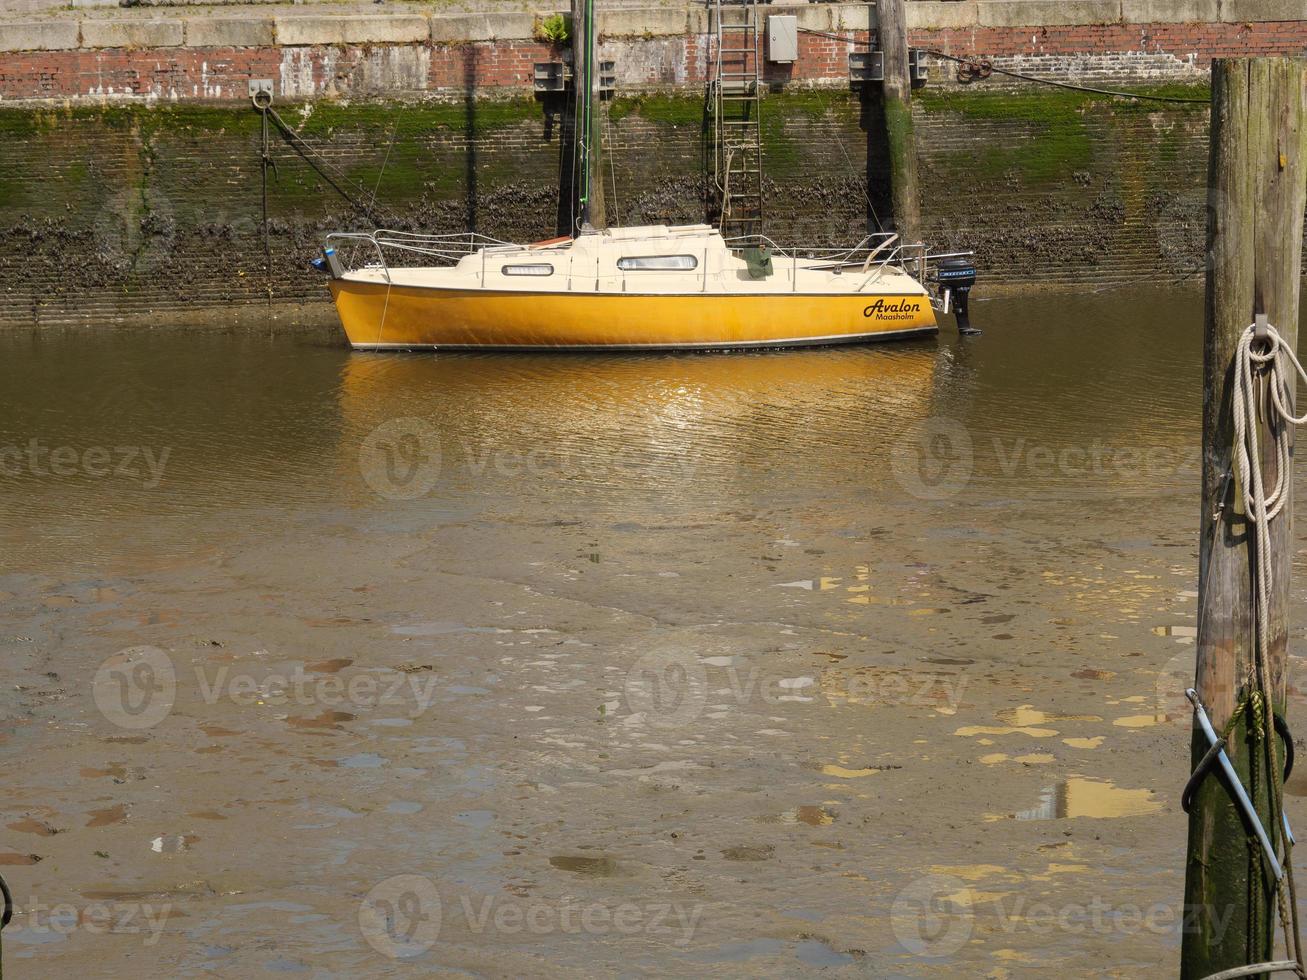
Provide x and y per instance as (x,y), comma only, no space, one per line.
(377,316)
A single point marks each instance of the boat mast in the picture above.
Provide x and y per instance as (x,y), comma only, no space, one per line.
(586,134)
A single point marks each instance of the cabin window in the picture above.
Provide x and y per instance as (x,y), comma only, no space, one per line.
(530,269)
(659,263)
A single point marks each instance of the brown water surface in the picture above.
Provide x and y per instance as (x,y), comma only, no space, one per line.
(355,664)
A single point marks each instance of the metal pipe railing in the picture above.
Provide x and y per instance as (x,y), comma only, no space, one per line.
(451,248)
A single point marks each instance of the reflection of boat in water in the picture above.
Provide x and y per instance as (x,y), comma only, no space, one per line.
(801,416)
(856,387)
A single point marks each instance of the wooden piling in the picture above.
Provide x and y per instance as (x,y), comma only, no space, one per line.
(892,34)
(1257,182)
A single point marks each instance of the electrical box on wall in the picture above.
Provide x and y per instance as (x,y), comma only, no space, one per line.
(782,39)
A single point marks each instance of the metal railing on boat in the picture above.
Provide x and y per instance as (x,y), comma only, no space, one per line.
(868,249)
(446,249)
(881,250)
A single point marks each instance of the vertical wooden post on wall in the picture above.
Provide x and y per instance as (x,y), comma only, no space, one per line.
(1257,182)
(892,34)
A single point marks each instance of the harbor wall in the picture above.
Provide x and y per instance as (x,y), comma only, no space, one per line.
(130,177)
(129,211)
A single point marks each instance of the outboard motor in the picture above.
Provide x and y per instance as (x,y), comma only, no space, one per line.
(956,276)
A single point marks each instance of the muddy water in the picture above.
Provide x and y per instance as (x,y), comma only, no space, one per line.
(860,660)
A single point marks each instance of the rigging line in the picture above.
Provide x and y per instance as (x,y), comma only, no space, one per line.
(575,151)
(861,181)
(612,167)
(584,52)
(394,128)
(591,54)
(308,153)
(1021,75)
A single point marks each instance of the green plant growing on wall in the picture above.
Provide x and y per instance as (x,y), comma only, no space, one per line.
(552,30)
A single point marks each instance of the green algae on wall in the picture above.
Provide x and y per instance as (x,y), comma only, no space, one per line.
(1059,141)
(121,207)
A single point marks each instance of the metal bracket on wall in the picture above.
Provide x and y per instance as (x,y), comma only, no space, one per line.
(550,76)
(260,91)
(869,66)
(866,66)
(918,73)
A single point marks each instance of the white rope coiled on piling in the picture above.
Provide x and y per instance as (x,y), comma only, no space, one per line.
(1257,358)
(1247,363)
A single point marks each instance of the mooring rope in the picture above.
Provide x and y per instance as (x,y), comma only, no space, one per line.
(972,69)
(1257,359)
(263,103)
(321,164)
(982,68)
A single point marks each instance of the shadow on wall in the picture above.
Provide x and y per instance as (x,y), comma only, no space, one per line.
(470,59)
(879,201)
(564,109)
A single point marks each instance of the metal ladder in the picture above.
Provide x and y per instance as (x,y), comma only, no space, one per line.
(736,99)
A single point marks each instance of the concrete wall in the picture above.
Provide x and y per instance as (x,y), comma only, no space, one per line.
(209,54)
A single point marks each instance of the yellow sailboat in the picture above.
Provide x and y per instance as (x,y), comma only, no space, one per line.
(653,287)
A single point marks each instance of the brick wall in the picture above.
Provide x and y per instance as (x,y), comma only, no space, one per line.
(1122,51)
(1191,44)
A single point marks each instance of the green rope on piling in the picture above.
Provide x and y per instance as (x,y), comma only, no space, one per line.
(1251,711)
(1257,910)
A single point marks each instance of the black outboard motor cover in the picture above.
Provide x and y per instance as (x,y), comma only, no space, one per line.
(958,275)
